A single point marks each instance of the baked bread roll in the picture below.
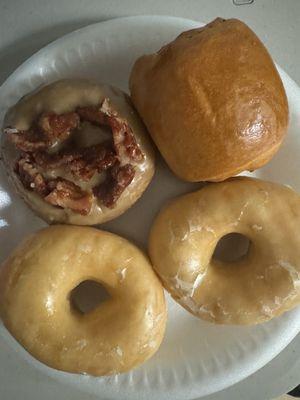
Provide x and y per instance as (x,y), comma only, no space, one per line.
(212,101)
(77,152)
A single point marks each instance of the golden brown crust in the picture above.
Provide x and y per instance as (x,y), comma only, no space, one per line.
(261,285)
(35,286)
(212,101)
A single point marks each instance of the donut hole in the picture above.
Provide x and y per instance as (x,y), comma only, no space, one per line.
(232,248)
(87,296)
(90,135)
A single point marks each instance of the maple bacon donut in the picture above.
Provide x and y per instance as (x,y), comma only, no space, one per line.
(35,286)
(77,152)
(262,284)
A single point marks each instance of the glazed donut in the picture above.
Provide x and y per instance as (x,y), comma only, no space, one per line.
(77,152)
(35,286)
(262,284)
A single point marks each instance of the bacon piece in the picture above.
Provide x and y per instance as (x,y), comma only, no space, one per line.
(70,161)
(56,160)
(111,189)
(66,194)
(57,127)
(93,159)
(58,192)
(27,141)
(123,137)
(124,141)
(82,163)
(49,129)
(30,176)
(92,114)
(100,156)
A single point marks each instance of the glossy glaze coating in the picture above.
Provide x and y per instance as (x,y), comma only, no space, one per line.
(212,101)
(35,286)
(261,285)
(65,96)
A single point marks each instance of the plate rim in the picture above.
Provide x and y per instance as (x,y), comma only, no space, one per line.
(54,44)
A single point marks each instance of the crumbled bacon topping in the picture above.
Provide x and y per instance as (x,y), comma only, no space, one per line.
(92,114)
(56,127)
(66,194)
(50,128)
(119,178)
(124,140)
(115,157)
(58,192)
(27,141)
(29,175)
(83,164)
(53,161)
(96,158)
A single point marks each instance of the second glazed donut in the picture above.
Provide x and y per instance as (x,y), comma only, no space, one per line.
(263,284)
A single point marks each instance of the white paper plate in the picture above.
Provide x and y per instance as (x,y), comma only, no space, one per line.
(196,358)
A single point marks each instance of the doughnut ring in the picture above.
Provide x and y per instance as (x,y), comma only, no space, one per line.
(262,284)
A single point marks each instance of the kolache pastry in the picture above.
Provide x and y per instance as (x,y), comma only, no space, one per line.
(77,152)
(35,286)
(262,284)
(212,101)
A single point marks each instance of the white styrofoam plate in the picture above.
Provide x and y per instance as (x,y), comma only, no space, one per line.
(196,358)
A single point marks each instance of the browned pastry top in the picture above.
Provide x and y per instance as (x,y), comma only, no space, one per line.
(212,100)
